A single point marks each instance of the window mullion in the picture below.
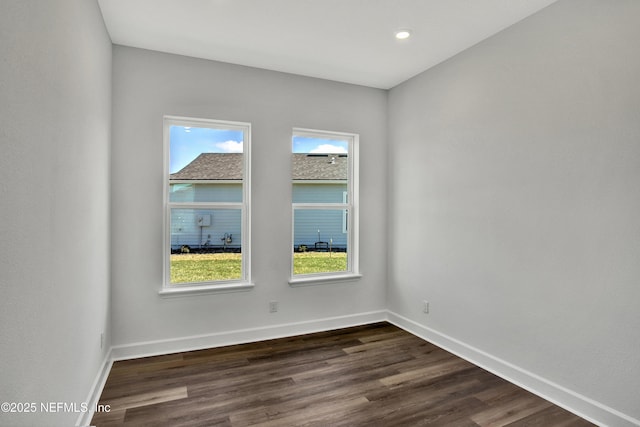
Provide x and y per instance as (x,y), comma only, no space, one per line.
(206,205)
(321,206)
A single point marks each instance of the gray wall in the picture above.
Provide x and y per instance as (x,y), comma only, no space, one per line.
(513,202)
(55,112)
(516,167)
(148,85)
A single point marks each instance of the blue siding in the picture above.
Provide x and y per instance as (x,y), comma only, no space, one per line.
(329,222)
(319,193)
(205,193)
(185,229)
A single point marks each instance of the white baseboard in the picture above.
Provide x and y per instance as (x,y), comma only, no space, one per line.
(241,336)
(197,342)
(580,405)
(96,390)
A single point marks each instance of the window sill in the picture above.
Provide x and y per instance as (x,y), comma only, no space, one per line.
(304,280)
(180,291)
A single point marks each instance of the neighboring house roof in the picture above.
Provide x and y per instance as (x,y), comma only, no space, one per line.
(312,167)
(228,166)
(212,166)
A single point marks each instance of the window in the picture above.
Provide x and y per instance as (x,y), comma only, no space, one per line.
(207,205)
(324,208)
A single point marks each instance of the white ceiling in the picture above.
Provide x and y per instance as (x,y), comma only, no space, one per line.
(350,41)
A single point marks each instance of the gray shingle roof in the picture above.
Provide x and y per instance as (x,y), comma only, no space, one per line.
(331,167)
(212,166)
(228,166)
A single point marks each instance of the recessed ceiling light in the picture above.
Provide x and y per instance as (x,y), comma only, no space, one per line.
(403,34)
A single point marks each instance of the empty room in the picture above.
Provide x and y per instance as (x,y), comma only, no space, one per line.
(320,212)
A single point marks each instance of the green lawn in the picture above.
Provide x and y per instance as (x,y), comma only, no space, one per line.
(319,262)
(187,268)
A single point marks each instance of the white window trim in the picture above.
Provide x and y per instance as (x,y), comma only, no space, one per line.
(351,206)
(221,286)
(320,278)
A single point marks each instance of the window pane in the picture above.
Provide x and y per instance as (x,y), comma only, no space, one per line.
(205,164)
(320,241)
(319,193)
(320,169)
(205,245)
(218,192)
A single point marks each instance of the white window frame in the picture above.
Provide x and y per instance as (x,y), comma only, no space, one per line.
(244,283)
(350,218)
(345,214)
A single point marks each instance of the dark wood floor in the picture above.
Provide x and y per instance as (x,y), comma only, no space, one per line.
(374,375)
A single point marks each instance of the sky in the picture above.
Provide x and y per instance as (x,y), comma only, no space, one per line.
(305,144)
(187,143)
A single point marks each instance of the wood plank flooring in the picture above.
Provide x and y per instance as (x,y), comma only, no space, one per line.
(373,375)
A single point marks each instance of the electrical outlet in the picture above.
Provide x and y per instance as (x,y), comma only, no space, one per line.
(425,307)
(273,306)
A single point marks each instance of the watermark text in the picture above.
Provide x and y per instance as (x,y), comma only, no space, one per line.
(50,407)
